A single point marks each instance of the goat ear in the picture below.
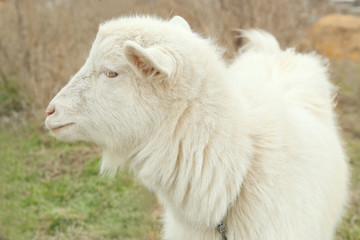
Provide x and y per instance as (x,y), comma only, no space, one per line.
(181,22)
(150,62)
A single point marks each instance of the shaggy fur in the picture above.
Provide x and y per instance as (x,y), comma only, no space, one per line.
(254,144)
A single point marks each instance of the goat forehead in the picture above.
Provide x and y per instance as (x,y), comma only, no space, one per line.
(110,44)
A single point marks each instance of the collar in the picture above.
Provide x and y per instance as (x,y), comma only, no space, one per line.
(221,228)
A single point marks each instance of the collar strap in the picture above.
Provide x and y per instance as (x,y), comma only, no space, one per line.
(221,228)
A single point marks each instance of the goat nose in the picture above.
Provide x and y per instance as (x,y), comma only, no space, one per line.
(50,110)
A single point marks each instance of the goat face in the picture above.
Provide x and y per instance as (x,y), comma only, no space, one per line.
(118,97)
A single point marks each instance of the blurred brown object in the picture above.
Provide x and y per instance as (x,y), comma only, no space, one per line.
(336,36)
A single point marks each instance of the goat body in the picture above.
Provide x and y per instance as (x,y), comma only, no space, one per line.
(253,144)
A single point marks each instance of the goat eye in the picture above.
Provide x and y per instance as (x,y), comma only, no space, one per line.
(111,74)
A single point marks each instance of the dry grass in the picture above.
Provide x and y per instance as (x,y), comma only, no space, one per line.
(44,42)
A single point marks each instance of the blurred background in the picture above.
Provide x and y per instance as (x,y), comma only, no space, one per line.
(51,190)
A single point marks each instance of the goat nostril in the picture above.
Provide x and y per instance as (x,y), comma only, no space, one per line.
(50,111)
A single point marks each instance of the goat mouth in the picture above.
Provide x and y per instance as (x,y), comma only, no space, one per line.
(61,127)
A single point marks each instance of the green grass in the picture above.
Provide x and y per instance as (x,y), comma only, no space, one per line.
(350,226)
(51,190)
(346,76)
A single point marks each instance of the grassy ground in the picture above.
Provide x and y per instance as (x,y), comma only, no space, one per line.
(349,229)
(51,190)
(346,75)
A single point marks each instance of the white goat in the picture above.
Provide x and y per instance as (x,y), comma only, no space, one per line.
(253,145)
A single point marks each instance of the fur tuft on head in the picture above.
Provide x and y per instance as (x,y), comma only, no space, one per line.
(258,40)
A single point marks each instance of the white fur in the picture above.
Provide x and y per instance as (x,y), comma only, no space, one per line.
(254,144)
